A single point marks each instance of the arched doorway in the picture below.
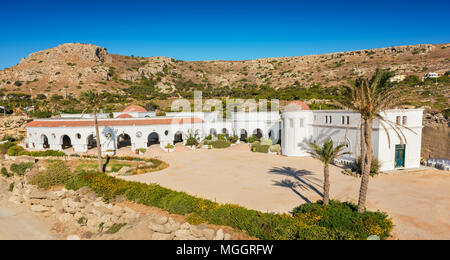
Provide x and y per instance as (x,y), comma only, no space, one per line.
(213,132)
(91,142)
(243,135)
(178,137)
(123,140)
(66,142)
(45,143)
(225,131)
(153,138)
(258,133)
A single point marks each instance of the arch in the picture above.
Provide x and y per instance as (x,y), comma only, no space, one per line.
(153,138)
(123,140)
(44,140)
(91,141)
(225,132)
(243,135)
(213,132)
(66,142)
(271,135)
(178,137)
(258,132)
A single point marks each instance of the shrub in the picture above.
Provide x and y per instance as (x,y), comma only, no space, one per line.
(21,168)
(344,217)
(265,141)
(191,141)
(209,137)
(220,144)
(142,150)
(374,166)
(275,148)
(260,148)
(233,139)
(11,187)
(57,173)
(222,137)
(252,139)
(5,172)
(15,150)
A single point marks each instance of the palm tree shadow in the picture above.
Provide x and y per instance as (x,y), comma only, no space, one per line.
(290,184)
(305,180)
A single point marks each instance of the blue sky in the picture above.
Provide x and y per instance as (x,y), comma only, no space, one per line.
(216,29)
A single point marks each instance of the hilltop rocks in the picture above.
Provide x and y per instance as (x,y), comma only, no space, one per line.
(13,126)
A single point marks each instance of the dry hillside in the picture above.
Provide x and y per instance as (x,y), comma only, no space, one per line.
(75,67)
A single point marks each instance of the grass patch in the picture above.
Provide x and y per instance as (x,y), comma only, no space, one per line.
(115,228)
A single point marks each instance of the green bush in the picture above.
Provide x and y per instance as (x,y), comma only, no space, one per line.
(191,141)
(21,168)
(252,139)
(169,146)
(260,148)
(233,139)
(5,172)
(344,218)
(374,166)
(220,144)
(57,173)
(11,187)
(332,223)
(15,150)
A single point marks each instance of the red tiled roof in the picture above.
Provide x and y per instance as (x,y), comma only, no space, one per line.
(124,116)
(299,103)
(134,108)
(81,123)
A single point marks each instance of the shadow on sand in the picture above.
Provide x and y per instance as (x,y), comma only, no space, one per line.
(304,180)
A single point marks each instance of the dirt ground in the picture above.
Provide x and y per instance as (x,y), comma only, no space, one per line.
(19,223)
(418,201)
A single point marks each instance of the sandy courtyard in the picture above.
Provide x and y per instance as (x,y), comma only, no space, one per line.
(418,201)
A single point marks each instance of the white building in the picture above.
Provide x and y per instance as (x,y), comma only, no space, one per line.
(431,75)
(296,126)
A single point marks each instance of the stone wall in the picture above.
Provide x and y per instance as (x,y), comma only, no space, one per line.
(82,214)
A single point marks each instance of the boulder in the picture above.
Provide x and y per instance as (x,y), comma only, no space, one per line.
(36,194)
(219,235)
(39,208)
(159,228)
(162,236)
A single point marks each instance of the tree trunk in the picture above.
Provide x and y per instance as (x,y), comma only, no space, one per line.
(326,185)
(97,138)
(366,161)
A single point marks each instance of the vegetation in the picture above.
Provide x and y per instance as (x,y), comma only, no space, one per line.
(21,168)
(326,154)
(370,97)
(374,166)
(4,172)
(333,223)
(57,173)
(220,144)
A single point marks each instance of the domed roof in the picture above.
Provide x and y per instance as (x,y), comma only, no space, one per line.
(124,116)
(296,105)
(134,108)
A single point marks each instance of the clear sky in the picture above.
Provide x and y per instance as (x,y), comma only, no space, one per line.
(216,29)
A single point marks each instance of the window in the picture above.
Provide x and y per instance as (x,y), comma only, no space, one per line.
(398,120)
(331,120)
(348,120)
(301,122)
(343,120)
(326,119)
(166,132)
(405,120)
(78,136)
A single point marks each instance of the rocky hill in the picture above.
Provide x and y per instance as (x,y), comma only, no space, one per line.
(75,67)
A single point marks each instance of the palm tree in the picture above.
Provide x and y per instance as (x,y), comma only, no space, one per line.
(326,154)
(370,97)
(93,99)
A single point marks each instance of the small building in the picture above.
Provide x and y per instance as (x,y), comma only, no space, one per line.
(431,75)
(397,78)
